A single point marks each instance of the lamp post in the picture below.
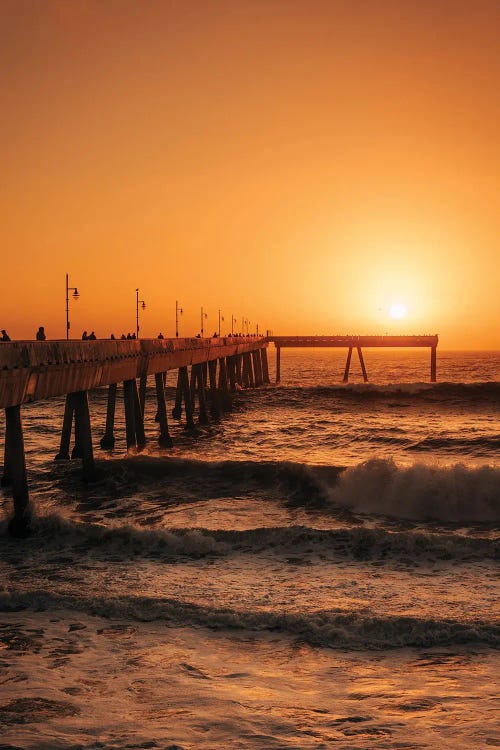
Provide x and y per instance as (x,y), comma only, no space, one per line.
(221,317)
(204,316)
(75,297)
(244,322)
(178,311)
(143,305)
(233,321)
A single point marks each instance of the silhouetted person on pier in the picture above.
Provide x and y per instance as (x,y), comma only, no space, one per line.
(40,334)
(92,336)
(129,335)
(84,336)
(160,335)
(112,337)
(5,335)
(123,337)
(216,335)
(133,336)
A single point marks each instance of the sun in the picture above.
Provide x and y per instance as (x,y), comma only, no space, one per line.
(397,311)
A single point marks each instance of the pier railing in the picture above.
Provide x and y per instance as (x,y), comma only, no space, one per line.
(32,370)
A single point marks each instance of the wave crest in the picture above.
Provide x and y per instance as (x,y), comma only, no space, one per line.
(421,491)
(330,628)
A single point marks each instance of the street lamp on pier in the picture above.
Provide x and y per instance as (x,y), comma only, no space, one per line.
(221,317)
(75,297)
(178,311)
(143,305)
(244,322)
(204,316)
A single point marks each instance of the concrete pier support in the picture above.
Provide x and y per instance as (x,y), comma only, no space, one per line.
(6,477)
(19,525)
(177,410)
(278,364)
(248,377)
(265,366)
(197,390)
(193,383)
(239,370)
(347,366)
(186,395)
(231,371)
(128,400)
(257,367)
(83,433)
(108,439)
(214,393)
(433,364)
(362,363)
(164,439)
(69,409)
(222,374)
(140,437)
(250,369)
(225,397)
(244,372)
(143,382)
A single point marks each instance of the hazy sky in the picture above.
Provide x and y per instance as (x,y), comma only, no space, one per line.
(302,163)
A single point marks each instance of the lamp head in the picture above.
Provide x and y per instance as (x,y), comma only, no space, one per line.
(143,305)
(76,295)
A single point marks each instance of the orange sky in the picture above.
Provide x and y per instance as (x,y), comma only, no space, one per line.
(302,163)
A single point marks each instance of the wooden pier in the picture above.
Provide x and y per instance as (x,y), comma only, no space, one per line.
(208,370)
(354,342)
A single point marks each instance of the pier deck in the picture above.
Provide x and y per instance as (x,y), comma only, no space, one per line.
(357,342)
(347,341)
(33,370)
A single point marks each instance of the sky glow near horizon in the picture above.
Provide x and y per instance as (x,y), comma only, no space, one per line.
(305,165)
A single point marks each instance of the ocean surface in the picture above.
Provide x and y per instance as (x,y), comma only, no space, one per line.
(318,569)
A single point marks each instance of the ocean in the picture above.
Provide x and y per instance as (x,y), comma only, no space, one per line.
(318,569)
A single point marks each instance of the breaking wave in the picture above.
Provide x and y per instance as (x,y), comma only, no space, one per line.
(127,542)
(421,491)
(488,391)
(326,627)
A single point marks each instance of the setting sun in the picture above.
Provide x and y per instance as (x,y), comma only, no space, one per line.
(397,311)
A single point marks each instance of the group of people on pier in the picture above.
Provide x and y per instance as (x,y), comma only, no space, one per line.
(40,335)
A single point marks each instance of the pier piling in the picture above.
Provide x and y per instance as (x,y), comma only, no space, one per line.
(83,433)
(347,366)
(140,436)
(128,400)
(108,439)
(177,410)
(362,363)
(143,382)
(164,439)
(19,525)
(214,394)
(186,394)
(69,409)
(265,367)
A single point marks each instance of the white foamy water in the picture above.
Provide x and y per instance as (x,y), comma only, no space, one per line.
(318,569)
